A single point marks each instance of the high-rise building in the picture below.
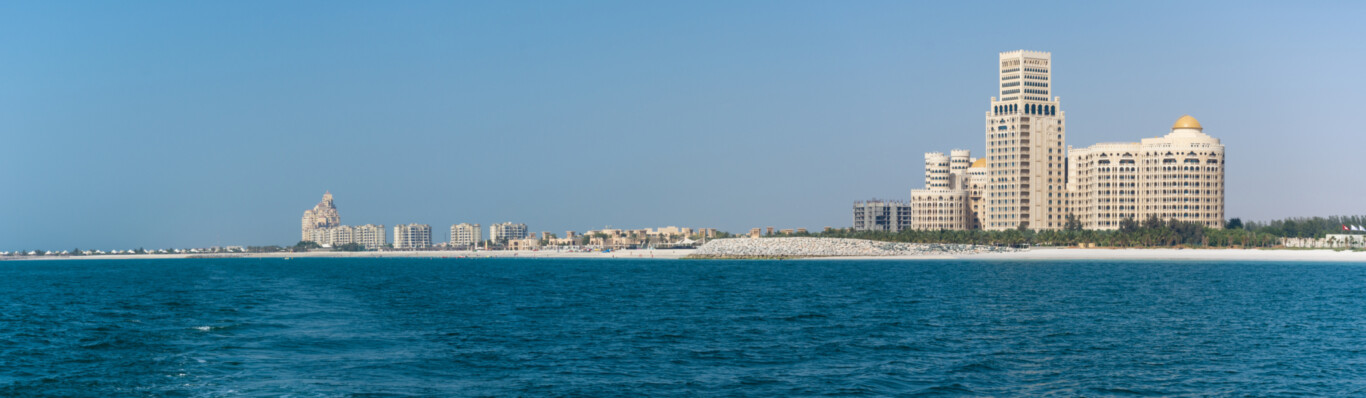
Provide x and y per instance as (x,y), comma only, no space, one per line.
(1030,179)
(369,235)
(882,215)
(465,234)
(1025,138)
(507,231)
(1179,176)
(340,235)
(322,215)
(412,236)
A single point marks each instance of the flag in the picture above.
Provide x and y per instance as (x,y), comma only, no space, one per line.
(1344,227)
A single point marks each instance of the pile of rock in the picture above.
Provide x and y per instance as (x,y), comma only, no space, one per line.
(831,247)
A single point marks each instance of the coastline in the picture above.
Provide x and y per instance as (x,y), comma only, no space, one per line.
(1295,255)
(1035,254)
(623,254)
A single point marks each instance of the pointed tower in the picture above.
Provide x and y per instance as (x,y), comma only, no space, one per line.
(323,215)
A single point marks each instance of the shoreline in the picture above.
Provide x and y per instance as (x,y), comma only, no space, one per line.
(1035,254)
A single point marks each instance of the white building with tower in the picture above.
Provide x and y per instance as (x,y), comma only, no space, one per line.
(1030,179)
(1025,141)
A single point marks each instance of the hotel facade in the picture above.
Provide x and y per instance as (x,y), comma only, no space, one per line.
(1179,176)
(507,231)
(412,236)
(465,234)
(1030,179)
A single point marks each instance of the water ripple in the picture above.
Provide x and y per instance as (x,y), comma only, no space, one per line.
(516,327)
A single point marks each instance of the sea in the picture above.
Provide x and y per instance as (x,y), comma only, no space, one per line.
(393,327)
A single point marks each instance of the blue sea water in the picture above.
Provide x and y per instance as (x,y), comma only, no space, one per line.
(518,327)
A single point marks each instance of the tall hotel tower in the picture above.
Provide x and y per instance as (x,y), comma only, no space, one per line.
(1025,148)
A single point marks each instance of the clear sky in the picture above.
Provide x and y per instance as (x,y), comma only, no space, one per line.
(188,124)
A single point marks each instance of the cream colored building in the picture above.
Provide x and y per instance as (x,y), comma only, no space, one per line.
(328,237)
(952,197)
(370,235)
(1178,176)
(530,242)
(976,186)
(1025,137)
(937,209)
(322,215)
(465,234)
(663,236)
(412,236)
(507,231)
(936,170)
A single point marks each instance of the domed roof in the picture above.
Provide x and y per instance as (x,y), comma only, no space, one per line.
(1187,122)
(981,162)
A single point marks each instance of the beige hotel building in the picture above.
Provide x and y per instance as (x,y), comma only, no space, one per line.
(1177,176)
(1029,179)
(1025,143)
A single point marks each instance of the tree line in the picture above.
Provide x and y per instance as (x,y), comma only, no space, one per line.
(1150,232)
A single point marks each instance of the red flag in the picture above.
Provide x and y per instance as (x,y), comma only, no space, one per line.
(1344,227)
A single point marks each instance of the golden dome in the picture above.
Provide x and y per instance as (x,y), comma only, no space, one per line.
(981,162)
(1187,122)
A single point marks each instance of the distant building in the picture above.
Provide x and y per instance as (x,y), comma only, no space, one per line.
(412,236)
(323,215)
(1025,137)
(1179,176)
(651,237)
(882,215)
(939,209)
(1330,241)
(464,234)
(953,191)
(507,231)
(369,235)
(976,186)
(528,243)
(340,235)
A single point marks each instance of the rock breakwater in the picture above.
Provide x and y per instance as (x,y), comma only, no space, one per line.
(831,247)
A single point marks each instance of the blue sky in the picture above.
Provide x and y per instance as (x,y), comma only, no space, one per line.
(179,124)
